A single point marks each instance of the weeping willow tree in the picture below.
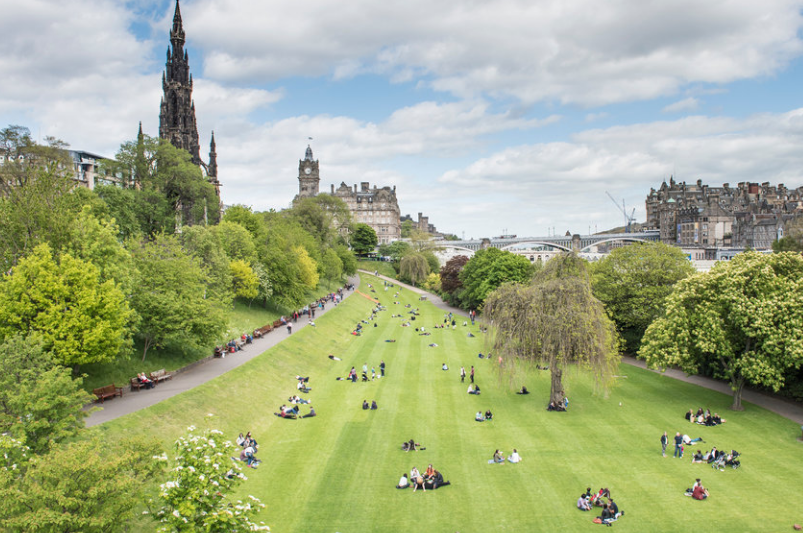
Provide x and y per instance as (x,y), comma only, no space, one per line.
(556,321)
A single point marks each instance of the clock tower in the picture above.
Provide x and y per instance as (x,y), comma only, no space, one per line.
(308,176)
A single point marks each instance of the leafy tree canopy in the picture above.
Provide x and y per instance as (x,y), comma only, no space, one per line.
(487,270)
(633,282)
(170,296)
(364,239)
(414,268)
(742,321)
(40,403)
(62,302)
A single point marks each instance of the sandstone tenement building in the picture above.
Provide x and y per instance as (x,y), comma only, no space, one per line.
(696,215)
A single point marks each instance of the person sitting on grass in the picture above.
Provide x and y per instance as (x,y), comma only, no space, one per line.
(514,457)
(523,390)
(404,483)
(497,458)
(697,457)
(444,367)
(373,405)
(606,516)
(582,503)
(614,509)
(410,445)
(311,413)
(473,389)
(437,480)
(417,479)
(365,405)
(698,492)
(390,340)
(489,415)
(478,417)
(555,407)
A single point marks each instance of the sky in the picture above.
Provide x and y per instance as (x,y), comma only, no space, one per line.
(489,116)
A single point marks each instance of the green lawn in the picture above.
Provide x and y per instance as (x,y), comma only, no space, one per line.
(336,472)
(383,267)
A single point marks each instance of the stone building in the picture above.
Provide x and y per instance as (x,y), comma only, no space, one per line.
(422,224)
(377,207)
(177,121)
(696,215)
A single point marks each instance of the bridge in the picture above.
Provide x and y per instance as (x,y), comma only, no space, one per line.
(579,243)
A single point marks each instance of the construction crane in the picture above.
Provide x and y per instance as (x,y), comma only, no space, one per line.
(629,219)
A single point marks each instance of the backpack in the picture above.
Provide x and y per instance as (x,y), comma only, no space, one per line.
(598,520)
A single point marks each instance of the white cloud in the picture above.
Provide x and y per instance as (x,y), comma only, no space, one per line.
(687,104)
(572,51)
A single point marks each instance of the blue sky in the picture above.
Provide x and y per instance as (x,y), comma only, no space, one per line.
(512,115)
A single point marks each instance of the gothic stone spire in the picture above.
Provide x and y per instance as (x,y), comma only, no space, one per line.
(177,121)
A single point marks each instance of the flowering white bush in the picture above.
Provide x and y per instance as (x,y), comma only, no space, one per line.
(194,498)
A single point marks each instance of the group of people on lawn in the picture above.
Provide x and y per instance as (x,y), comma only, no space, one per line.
(610,510)
(704,418)
(293,411)
(431,479)
(249,449)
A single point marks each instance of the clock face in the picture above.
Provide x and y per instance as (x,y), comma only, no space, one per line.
(307,170)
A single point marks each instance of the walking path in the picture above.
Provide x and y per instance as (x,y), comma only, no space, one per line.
(206,370)
(786,408)
(198,373)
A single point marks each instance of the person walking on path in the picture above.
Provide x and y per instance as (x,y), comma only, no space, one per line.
(472,373)
(382,368)
(664,442)
(289,328)
(462,374)
(678,446)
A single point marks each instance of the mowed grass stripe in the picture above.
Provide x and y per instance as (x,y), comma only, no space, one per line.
(337,472)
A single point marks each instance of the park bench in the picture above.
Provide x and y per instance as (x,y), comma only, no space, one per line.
(109,391)
(136,384)
(277,324)
(160,375)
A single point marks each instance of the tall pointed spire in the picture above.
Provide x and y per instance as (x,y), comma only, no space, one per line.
(177,33)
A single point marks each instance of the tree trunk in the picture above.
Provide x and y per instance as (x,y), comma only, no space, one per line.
(556,391)
(145,351)
(737,385)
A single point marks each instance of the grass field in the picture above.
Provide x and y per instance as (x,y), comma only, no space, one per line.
(336,472)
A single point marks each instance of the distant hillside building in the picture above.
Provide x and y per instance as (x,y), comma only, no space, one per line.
(422,224)
(696,215)
(377,207)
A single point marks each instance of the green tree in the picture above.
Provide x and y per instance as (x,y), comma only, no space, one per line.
(96,241)
(487,270)
(742,321)
(264,284)
(308,269)
(325,217)
(395,250)
(414,268)
(347,259)
(246,282)
(40,403)
(236,241)
(154,165)
(63,303)
(634,281)
(36,205)
(433,282)
(170,296)
(555,320)
(244,216)
(432,261)
(204,243)
(406,229)
(195,497)
(364,239)
(91,486)
(332,265)
(793,240)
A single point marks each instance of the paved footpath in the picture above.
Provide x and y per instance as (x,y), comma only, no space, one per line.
(786,408)
(197,373)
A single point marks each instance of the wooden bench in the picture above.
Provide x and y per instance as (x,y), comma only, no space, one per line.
(136,384)
(160,375)
(277,324)
(109,391)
